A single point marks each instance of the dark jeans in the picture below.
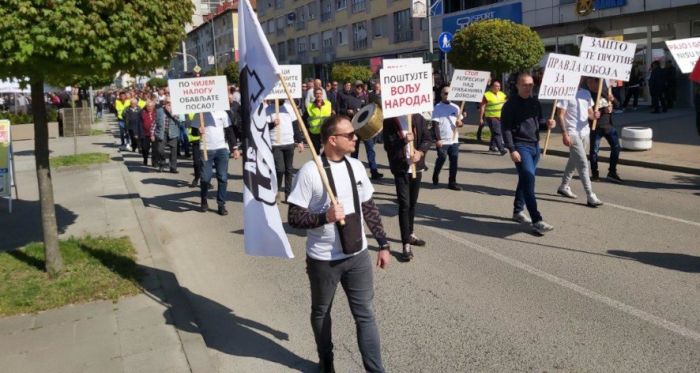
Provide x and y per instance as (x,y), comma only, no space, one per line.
(525,192)
(697,121)
(122,133)
(133,140)
(284,160)
(183,143)
(443,152)
(407,189)
(217,158)
(316,142)
(496,134)
(610,134)
(371,155)
(146,145)
(196,159)
(356,277)
(172,144)
(632,92)
(658,98)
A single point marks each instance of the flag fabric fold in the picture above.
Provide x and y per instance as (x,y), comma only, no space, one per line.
(695,75)
(263,232)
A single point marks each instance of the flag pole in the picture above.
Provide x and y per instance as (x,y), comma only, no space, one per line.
(314,155)
(549,130)
(409,120)
(277,116)
(597,102)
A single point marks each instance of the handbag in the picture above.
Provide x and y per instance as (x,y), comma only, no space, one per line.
(351,232)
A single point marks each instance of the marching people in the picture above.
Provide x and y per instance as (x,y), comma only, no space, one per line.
(147,132)
(285,136)
(490,112)
(167,133)
(669,73)
(573,118)
(657,88)
(318,111)
(132,123)
(194,137)
(521,117)
(312,86)
(446,119)
(221,144)
(633,86)
(396,143)
(120,104)
(606,129)
(338,253)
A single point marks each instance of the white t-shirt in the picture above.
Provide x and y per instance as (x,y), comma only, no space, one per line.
(576,117)
(447,115)
(214,130)
(323,243)
(284,133)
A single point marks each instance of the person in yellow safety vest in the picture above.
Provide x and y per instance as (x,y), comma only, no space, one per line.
(490,111)
(318,111)
(120,104)
(194,137)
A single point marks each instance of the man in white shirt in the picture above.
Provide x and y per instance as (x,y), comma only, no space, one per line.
(573,118)
(338,253)
(285,136)
(218,153)
(310,92)
(446,119)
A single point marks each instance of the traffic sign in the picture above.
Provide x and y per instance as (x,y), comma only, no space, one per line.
(197,69)
(445,42)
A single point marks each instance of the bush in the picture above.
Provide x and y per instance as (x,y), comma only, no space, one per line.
(19,118)
(232,74)
(350,73)
(157,83)
(496,45)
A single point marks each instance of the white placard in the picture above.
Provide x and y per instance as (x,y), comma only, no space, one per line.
(199,95)
(468,85)
(562,75)
(393,63)
(292,76)
(407,90)
(607,58)
(686,53)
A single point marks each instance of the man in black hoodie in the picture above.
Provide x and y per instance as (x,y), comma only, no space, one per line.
(521,117)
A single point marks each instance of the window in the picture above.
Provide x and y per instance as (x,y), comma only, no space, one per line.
(301,19)
(290,47)
(281,24)
(359,35)
(311,10)
(378,26)
(282,51)
(342,35)
(359,6)
(403,27)
(326,10)
(279,4)
(313,42)
(301,45)
(328,41)
(341,4)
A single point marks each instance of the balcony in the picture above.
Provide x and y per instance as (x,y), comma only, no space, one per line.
(326,16)
(359,44)
(402,36)
(300,25)
(359,6)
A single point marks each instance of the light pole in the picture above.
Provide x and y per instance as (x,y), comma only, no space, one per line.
(196,63)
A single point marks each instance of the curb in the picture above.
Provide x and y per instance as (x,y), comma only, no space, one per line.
(192,341)
(626,162)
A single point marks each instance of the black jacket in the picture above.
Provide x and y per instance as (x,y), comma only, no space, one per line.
(132,119)
(394,143)
(521,119)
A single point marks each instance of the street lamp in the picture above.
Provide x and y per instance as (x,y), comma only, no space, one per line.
(184,67)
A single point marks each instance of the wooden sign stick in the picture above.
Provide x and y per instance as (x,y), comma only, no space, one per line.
(277,116)
(597,103)
(549,130)
(202,139)
(409,120)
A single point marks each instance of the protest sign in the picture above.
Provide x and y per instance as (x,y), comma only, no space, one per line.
(292,77)
(5,171)
(393,63)
(198,95)
(562,75)
(606,58)
(406,90)
(686,53)
(468,85)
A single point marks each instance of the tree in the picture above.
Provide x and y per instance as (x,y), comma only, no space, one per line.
(496,45)
(57,41)
(350,73)
(157,83)
(232,74)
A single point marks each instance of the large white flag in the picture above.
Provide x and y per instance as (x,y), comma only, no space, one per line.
(263,231)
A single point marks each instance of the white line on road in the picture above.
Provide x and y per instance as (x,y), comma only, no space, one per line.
(658,321)
(679,220)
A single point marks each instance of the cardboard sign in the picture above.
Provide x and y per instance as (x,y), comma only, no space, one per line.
(292,76)
(393,63)
(5,171)
(562,75)
(606,58)
(407,90)
(468,85)
(686,53)
(199,95)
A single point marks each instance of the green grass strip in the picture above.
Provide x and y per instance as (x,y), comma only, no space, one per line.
(82,159)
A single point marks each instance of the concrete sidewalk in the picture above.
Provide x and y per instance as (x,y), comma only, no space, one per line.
(151,332)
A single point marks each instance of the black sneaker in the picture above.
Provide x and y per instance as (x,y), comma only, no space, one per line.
(376,175)
(203,207)
(194,183)
(454,187)
(407,254)
(435,180)
(222,211)
(415,241)
(595,176)
(504,152)
(614,177)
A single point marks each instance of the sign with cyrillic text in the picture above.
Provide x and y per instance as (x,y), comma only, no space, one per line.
(468,85)
(198,95)
(393,63)
(562,75)
(407,90)
(606,58)
(686,53)
(292,77)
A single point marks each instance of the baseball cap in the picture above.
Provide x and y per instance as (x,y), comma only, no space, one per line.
(359,82)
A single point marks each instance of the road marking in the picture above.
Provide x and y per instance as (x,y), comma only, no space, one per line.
(679,220)
(658,321)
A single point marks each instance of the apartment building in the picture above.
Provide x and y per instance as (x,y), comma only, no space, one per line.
(318,33)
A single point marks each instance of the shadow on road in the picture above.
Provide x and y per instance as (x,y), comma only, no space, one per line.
(23,226)
(676,262)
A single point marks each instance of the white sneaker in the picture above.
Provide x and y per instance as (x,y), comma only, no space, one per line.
(521,218)
(542,227)
(565,191)
(593,201)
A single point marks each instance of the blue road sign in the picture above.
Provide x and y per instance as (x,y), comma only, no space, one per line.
(445,42)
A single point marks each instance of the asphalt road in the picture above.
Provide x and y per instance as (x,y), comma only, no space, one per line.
(615,288)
